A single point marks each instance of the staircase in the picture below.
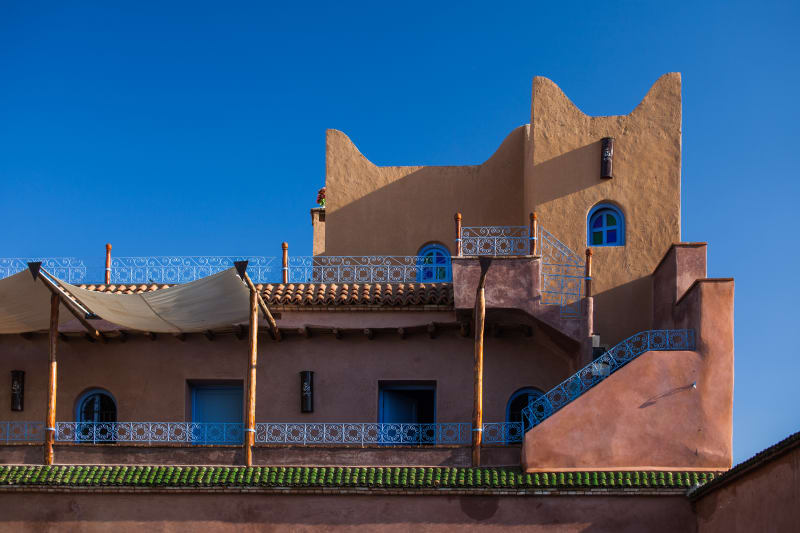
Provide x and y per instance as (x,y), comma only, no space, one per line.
(646,341)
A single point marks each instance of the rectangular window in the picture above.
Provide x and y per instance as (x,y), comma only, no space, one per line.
(217,412)
(407,402)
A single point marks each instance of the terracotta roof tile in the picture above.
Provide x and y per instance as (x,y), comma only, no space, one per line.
(324,294)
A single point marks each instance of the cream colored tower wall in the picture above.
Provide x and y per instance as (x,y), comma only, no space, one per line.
(374,210)
(562,184)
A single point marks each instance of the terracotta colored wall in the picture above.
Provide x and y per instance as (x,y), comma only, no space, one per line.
(148,378)
(647,414)
(562,184)
(764,499)
(682,265)
(257,512)
(318,220)
(374,210)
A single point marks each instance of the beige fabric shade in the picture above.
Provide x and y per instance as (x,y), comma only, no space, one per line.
(216,301)
(25,305)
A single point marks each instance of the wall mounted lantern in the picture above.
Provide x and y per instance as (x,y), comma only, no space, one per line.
(17,390)
(306,391)
(607,158)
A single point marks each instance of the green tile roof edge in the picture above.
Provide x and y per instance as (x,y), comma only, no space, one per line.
(485,478)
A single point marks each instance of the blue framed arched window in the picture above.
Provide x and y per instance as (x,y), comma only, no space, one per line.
(605,226)
(519,401)
(95,412)
(433,264)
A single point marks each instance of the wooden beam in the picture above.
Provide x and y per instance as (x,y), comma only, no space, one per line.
(275,332)
(152,335)
(26,336)
(250,427)
(464,329)
(304,331)
(402,332)
(63,337)
(337,333)
(480,323)
(240,332)
(50,418)
(497,330)
(209,334)
(369,333)
(182,337)
(123,336)
(36,270)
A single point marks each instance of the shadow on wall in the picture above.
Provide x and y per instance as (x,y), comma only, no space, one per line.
(395,210)
(581,170)
(632,308)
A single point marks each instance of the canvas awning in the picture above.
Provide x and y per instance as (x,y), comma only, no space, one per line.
(216,301)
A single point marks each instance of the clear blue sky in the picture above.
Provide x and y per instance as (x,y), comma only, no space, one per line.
(186,129)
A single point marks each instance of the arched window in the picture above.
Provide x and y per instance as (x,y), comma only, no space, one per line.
(433,264)
(520,400)
(606,226)
(95,413)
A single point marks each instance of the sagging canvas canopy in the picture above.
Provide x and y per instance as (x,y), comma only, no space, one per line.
(216,301)
(25,305)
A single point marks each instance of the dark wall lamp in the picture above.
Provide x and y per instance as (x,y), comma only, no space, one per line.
(607,158)
(17,390)
(306,391)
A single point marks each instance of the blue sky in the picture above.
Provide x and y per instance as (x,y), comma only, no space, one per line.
(182,128)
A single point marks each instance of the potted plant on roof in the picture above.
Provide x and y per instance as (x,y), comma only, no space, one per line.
(321,197)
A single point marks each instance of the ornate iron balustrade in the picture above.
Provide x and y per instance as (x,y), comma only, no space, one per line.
(69,269)
(344,433)
(150,432)
(602,367)
(182,269)
(364,433)
(502,432)
(495,240)
(368,269)
(21,431)
(563,275)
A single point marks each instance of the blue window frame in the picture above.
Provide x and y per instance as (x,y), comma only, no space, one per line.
(519,401)
(606,226)
(433,264)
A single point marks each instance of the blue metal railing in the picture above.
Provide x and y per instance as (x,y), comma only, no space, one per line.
(602,367)
(69,269)
(303,433)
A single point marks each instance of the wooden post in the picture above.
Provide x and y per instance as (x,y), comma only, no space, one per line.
(50,420)
(458,234)
(108,263)
(588,272)
(250,423)
(285,262)
(480,322)
(533,232)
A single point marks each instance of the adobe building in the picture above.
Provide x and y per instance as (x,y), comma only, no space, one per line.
(492,336)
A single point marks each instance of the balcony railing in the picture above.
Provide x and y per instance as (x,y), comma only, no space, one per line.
(183,269)
(495,240)
(69,269)
(289,433)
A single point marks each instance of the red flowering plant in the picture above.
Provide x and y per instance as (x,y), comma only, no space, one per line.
(321,197)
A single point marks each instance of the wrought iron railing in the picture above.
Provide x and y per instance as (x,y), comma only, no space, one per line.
(302,433)
(495,240)
(369,269)
(544,406)
(502,432)
(150,432)
(182,269)
(363,433)
(21,431)
(563,275)
(69,269)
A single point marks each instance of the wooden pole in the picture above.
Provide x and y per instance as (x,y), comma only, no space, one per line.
(250,426)
(588,272)
(458,234)
(276,333)
(35,268)
(480,322)
(50,420)
(108,263)
(534,232)
(285,262)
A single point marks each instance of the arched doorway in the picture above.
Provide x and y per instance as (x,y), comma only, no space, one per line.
(96,413)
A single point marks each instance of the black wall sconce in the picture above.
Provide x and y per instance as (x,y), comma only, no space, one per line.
(17,390)
(306,391)
(607,158)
